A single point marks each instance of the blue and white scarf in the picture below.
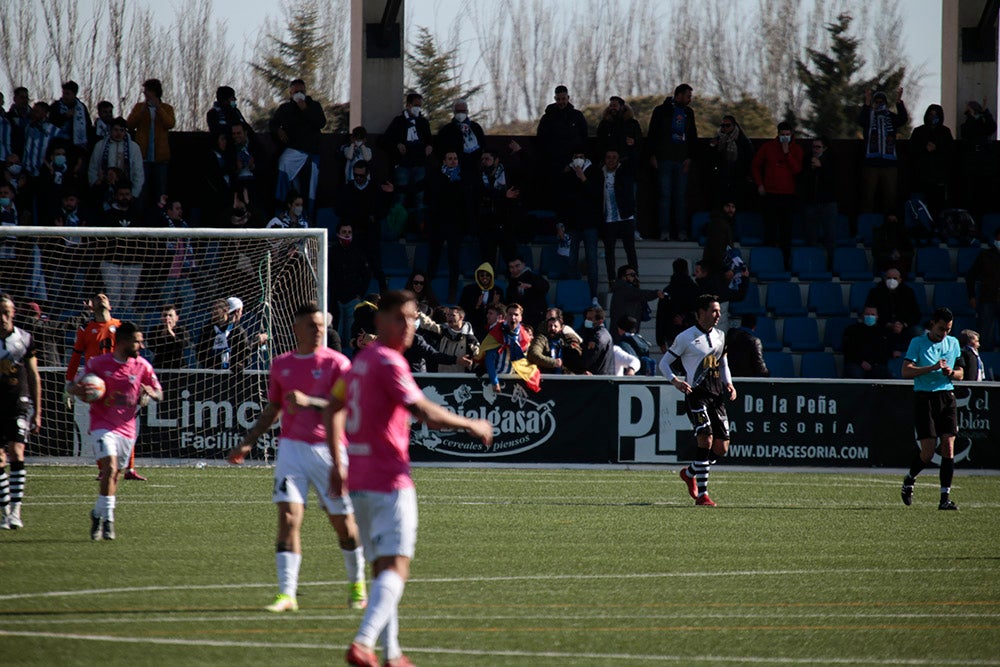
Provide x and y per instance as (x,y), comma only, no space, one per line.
(495,179)
(4,137)
(881,135)
(36,144)
(470,143)
(453,173)
(76,129)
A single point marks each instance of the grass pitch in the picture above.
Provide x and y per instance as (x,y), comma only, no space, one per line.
(518,567)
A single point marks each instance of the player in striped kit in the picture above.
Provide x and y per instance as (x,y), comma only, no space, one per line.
(702,351)
(299,390)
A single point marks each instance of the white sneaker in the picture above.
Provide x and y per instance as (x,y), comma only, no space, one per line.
(14,518)
(4,519)
(637,235)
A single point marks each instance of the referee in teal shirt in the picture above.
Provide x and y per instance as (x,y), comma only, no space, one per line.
(931,362)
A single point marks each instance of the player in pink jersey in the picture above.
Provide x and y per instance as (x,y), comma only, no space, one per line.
(299,390)
(380,396)
(129,380)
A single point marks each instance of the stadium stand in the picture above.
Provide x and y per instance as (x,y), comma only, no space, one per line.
(785,300)
(767,263)
(780,364)
(818,365)
(801,334)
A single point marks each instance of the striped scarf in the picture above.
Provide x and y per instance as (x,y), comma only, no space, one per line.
(124,156)
(36,143)
(881,136)
(76,129)
(4,136)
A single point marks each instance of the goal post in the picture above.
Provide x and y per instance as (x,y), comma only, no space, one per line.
(207,404)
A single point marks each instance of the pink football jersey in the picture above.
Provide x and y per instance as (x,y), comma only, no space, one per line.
(313,375)
(123,379)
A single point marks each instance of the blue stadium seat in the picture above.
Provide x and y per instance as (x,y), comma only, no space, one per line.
(818,365)
(801,334)
(867,222)
(440,287)
(421,258)
(394,259)
(991,365)
(397,282)
(920,292)
(896,368)
(699,220)
(990,224)
(749,228)
(469,259)
(833,332)
(858,296)
(750,305)
(785,299)
(809,263)
(768,334)
(780,364)
(798,229)
(934,264)
(966,257)
(953,296)
(553,265)
(842,230)
(768,264)
(826,299)
(573,296)
(851,264)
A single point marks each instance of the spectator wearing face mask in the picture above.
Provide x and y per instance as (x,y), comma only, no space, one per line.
(464,136)
(985,273)
(866,348)
(880,128)
(898,311)
(224,113)
(296,125)
(931,149)
(365,204)
(408,142)
(348,277)
(354,151)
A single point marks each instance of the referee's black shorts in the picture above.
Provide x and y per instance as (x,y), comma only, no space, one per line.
(935,414)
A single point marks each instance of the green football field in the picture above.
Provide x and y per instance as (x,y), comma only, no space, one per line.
(518,567)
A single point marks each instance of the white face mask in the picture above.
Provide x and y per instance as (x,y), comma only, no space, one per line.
(578,162)
(785,138)
(416,112)
(297,211)
(14,169)
(892,283)
(588,324)
(461,117)
(299,97)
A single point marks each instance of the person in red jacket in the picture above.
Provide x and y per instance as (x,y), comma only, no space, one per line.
(774,168)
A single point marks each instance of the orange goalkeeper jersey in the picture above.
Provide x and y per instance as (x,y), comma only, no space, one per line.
(92,339)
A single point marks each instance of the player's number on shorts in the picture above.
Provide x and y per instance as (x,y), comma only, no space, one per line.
(283,486)
(353,406)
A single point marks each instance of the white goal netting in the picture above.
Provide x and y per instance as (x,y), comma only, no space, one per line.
(212,392)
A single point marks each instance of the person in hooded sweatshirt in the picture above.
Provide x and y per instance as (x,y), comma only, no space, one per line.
(476,297)
(931,149)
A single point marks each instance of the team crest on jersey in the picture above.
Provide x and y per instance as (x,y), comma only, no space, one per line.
(285,372)
(316,373)
(132,378)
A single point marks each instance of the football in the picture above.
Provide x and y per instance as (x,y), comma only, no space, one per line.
(93,388)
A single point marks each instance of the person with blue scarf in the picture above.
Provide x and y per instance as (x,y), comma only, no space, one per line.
(880,128)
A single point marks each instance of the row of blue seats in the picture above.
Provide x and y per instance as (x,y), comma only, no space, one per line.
(810,263)
(827,299)
(823,365)
(749,228)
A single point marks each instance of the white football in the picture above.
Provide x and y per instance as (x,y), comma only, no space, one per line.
(93,387)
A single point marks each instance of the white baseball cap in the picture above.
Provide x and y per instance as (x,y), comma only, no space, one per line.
(234,304)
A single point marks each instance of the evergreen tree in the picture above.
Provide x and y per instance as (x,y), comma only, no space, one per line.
(835,87)
(435,77)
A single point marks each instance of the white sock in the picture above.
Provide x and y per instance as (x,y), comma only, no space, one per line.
(390,637)
(105,507)
(354,563)
(288,563)
(383,603)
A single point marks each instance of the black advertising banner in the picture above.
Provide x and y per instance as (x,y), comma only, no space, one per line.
(574,420)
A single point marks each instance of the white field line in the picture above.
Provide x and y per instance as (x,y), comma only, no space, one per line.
(742,659)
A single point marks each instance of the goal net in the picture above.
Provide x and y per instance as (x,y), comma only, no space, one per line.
(213,368)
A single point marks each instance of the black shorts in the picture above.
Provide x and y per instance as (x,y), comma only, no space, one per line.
(15,420)
(708,412)
(935,414)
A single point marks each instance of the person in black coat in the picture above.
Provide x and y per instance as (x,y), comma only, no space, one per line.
(449,217)
(744,350)
(866,348)
(296,126)
(365,204)
(561,128)
(464,136)
(408,142)
(819,188)
(616,185)
(931,149)
(348,277)
(731,156)
(528,289)
(619,130)
(598,348)
(497,201)
(224,113)
(675,312)
(898,310)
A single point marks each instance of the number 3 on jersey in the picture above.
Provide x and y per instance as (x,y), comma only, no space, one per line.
(353,407)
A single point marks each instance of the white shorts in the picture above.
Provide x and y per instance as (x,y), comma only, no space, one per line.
(107,443)
(301,465)
(387,522)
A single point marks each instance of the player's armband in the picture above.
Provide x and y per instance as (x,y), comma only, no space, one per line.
(339,390)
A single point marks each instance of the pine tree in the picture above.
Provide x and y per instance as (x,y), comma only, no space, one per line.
(435,77)
(835,87)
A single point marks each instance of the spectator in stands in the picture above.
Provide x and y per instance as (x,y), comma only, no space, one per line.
(150,120)
(37,135)
(118,151)
(332,337)
(68,260)
(820,187)
(675,312)
(224,114)
(625,363)
(528,289)
(719,237)
(558,351)
(775,167)
(296,126)
(364,205)
(463,136)
(5,134)
(363,326)
(13,173)
(561,129)
(12,274)
(898,310)
(598,356)
(349,275)
(892,247)
(866,348)
(354,151)
(970,359)
(985,273)
(616,183)
(71,117)
(121,268)
(628,299)
(244,151)
(630,341)
(169,340)
(578,211)
(48,335)
(218,177)
(454,338)
(256,337)
(102,125)
(977,157)
(619,130)
(425,358)
(931,157)
(223,344)
(880,129)
(177,273)
(294,216)
(497,198)
(477,296)
(62,171)
(504,350)
(673,137)
(732,153)
(449,217)
(420,285)
(19,116)
(744,350)
(408,142)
